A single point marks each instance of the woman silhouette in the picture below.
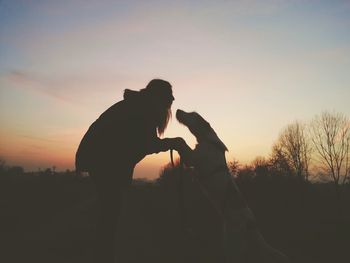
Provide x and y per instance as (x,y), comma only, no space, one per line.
(121,137)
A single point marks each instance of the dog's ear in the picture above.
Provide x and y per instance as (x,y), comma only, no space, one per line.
(212,137)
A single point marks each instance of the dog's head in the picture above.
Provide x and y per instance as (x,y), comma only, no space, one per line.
(200,128)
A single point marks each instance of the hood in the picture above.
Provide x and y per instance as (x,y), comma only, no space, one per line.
(131,94)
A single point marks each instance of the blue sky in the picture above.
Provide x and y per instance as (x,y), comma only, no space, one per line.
(249,67)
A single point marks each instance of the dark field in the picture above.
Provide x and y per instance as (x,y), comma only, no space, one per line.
(50,218)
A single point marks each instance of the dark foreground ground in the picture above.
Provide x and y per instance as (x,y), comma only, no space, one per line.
(51,219)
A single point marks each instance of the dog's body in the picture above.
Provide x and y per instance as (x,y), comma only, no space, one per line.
(240,238)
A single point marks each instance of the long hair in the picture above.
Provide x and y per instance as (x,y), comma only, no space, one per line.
(158,97)
(164,119)
(161,96)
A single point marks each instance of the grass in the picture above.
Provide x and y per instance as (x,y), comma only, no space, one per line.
(51,218)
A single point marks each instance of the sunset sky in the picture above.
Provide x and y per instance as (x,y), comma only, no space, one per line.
(248,67)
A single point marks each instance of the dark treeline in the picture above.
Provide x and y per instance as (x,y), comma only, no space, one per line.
(49,216)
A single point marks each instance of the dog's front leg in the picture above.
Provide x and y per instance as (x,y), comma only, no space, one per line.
(186,153)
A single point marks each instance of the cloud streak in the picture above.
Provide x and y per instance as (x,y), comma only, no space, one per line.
(73,88)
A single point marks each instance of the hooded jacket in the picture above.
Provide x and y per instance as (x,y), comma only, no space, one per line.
(121,137)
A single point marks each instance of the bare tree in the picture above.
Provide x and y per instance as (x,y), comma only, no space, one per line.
(278,161)
(331,139)
(234,167)
(293,147)
(261,166)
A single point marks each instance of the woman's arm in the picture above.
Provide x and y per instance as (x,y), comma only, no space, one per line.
(156,145)
(153,144)
(177,143)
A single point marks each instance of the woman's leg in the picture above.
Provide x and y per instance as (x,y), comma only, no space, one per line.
(109,189)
